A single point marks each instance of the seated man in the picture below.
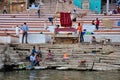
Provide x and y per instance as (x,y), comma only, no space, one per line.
(37,60)
(110,13)
(82,63)
(114,11)
(32,59)
(93,40)
(66,58)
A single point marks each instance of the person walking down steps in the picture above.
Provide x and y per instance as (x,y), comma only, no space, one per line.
(38,13)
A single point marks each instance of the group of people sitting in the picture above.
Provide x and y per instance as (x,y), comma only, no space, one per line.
(36,56)
(114,11)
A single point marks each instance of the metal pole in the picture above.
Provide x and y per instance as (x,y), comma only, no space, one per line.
(107,6)
(28,12)
(9,5)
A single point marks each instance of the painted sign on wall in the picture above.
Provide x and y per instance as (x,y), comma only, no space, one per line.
(94,5)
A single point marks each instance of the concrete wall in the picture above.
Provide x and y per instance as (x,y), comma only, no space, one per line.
(36,38)
(42,38)
(92,4)
(9,39)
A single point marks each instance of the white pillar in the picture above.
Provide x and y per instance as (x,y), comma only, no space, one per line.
(107,6)
(26,4)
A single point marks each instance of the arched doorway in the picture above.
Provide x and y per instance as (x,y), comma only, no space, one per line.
(30,2)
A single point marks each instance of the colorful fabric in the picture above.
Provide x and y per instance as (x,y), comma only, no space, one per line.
(65,19)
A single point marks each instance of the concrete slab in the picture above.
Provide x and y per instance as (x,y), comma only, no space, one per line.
(9,39)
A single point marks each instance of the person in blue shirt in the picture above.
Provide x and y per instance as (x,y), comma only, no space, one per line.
(82,35)
(34,50)
(39,52)
(24,29)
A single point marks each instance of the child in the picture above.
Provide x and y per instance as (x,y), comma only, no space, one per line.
(49,55)
(17,30)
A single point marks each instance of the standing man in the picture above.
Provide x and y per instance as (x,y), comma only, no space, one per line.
(38,13)
(97,24)
(4,10)
(74,15)
(80,32)
(25,29)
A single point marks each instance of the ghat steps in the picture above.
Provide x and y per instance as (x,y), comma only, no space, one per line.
(106,57)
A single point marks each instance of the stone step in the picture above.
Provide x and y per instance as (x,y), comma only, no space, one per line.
(104,66)
(2,55)
(14,60)
(111,61)
(14,56)
(1,65)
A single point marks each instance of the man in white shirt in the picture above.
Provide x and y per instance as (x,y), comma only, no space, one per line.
(32,59)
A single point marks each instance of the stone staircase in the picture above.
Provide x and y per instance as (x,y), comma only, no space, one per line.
(9,21)
(104,57)
(18,53)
